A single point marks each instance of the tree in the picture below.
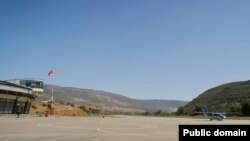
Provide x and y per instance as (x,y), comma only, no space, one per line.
(84,109)
(158,113)
(245,107)
(49,106)
(235,107)
(198,108)
(146,113)
(180,111)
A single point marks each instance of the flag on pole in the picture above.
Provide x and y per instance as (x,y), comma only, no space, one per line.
(50,73)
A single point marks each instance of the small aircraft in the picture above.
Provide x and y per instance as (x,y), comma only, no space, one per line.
(217,115)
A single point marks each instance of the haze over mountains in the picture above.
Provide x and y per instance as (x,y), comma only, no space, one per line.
(108,101)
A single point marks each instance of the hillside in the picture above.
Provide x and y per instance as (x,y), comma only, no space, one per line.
(221,97)
(108,101)
(38,108)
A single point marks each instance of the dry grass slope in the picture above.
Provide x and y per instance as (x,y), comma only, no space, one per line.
(59,109)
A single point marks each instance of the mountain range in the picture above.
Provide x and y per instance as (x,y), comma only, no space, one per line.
(108,101)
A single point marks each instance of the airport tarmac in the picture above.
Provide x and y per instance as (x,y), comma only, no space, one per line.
(119,128)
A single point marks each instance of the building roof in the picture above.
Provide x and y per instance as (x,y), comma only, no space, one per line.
(13,85)
(34,79)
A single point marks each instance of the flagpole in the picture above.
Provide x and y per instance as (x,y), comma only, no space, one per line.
(50,74)
(52,96)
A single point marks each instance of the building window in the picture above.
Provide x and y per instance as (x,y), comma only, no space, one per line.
(6,106)
(32,83)
(9,106)
(2,105)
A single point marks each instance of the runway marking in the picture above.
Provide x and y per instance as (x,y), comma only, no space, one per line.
(114,131)
(132,134)
(57,126)
(44,125)
(145,126)
(99,130)
(134,127)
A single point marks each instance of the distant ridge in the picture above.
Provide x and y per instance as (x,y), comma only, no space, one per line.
(108,101)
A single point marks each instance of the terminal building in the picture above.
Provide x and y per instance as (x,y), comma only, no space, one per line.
(17,95)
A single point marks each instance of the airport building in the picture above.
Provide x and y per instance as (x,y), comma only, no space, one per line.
(17,95)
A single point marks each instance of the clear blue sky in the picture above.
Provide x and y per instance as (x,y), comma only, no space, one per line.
(144,49)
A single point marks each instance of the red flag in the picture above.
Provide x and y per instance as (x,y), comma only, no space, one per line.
(50,73)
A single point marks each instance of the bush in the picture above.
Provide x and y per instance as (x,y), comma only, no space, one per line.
(49,106)
(235,107)
(146,113)
(84,109)
(180,111)
(34,106)
(245,107)
(158,113)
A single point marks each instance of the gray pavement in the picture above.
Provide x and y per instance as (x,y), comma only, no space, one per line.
(120,128)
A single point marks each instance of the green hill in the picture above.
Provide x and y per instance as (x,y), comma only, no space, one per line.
(221,98)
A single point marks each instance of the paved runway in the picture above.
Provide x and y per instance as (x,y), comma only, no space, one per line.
(121,128)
